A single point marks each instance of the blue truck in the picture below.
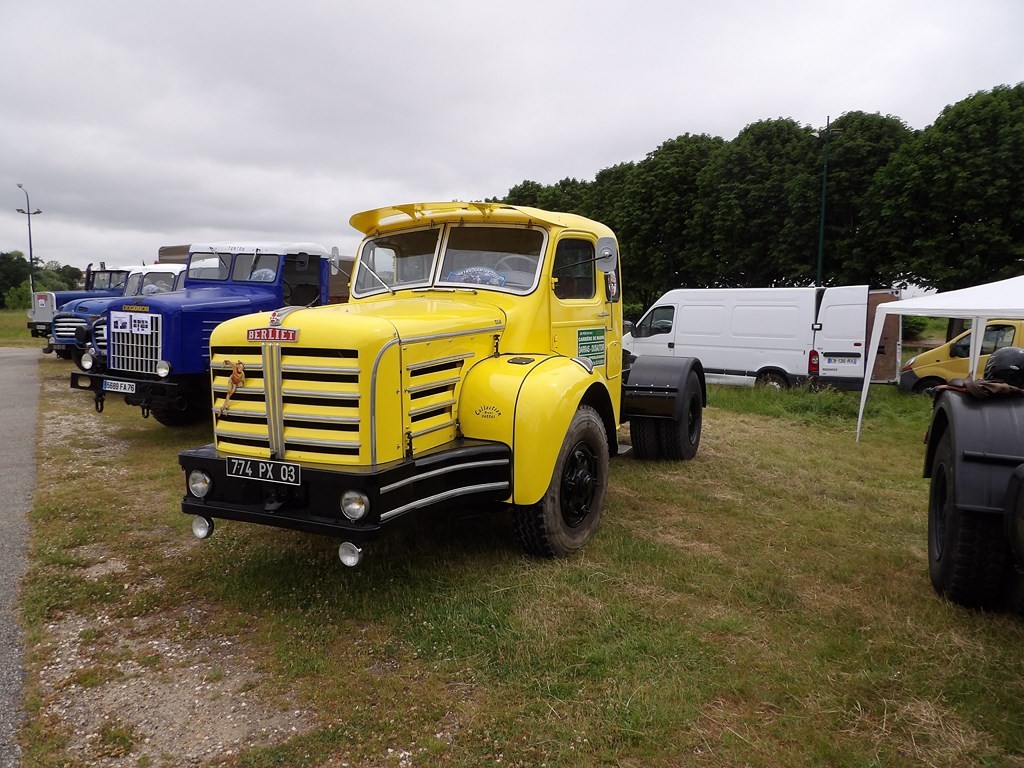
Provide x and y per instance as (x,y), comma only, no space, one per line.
(73,322)
(98,283)
(154,350)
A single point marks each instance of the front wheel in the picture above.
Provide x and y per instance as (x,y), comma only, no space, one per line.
(772,380)
(967,551)
(565,519)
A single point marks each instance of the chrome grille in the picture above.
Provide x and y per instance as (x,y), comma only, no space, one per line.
(133,351)
(64,326)
(295,402)
(99,334)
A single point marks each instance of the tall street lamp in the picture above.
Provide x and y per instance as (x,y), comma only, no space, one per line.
(29,213)
(824,194)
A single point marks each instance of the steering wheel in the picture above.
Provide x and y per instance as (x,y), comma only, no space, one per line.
(507,262)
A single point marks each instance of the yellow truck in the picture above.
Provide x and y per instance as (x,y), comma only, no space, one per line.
(950,361)
(479,360)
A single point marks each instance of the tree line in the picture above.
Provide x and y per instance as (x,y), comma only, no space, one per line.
(14,282)
(942,207)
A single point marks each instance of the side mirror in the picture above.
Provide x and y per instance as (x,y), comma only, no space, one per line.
(627,327)
(607,254)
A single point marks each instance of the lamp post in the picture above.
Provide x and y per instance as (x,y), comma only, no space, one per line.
(29,213)
(824,196)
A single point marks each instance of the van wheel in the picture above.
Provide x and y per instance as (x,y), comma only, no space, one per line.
(564,520)
(925,384)
(680,438)
(772,380)
(967,551)
(644,437)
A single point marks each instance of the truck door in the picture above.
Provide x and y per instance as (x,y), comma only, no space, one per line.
(580,317)
(839,335)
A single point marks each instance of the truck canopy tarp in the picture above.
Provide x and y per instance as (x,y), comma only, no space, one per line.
(1002,299)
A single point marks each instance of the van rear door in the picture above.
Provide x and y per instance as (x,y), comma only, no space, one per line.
(840,336)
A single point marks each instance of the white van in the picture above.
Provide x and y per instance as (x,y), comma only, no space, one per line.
(778,337)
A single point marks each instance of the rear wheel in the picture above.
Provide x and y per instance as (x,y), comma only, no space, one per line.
(680,438)
(565,519)
(772,380)
(967,551)
(644,437)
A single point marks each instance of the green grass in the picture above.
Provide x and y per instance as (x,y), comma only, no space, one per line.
(766,604)
(14,331)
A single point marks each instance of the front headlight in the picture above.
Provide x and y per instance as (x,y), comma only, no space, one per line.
(199,483)
(88,361)
(354,505)
(163,369)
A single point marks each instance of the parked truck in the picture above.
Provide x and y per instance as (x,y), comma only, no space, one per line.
(72,324)
(479,361)
(98,283)
(154,350)
(975,462)
(777,337)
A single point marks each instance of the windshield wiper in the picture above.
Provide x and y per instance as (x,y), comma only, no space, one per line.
(380,279)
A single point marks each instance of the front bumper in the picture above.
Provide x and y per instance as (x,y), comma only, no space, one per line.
(147,393)
(908,380)
(462,473)
(40,330)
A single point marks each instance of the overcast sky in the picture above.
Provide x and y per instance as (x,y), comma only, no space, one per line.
(135,124)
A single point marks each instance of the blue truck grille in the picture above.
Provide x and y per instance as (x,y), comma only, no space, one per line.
(133,351)
(99,334)
(64,327)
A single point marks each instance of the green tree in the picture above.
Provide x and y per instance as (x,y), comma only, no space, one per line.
(948,208)
(17,296)
(658,197)
(755,221)
(13,271)
(861,144)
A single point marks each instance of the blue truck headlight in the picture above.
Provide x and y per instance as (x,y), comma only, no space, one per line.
(199,483)
(163,369)
(88,361)
(354,505)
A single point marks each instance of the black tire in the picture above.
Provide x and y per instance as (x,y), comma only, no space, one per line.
(772,380)
(564,520)
(644,437)
(925,384)
(172,417)
(967,551)
(680,438)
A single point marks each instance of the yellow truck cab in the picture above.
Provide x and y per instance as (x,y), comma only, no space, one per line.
(479,360)
(943,364)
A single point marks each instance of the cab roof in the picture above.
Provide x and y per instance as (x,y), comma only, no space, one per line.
(388,217)
(250,246)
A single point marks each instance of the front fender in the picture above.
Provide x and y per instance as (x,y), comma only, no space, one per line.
(527,403)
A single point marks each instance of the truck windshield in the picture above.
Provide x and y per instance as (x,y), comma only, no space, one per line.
(103,280)
(487,257)
(492,257)
(132,287)
(158,282)
(209,266)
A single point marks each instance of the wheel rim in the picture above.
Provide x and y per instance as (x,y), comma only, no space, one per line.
(579,484)
(693,420)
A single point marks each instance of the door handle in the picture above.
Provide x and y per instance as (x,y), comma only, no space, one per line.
(671,345)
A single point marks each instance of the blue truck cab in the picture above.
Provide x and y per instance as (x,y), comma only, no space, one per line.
(73,322)
(98,283)
(154,350)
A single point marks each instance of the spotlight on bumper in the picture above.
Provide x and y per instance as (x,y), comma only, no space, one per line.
(349,554)
(202,527)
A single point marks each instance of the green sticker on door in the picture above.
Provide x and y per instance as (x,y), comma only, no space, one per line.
(590,344)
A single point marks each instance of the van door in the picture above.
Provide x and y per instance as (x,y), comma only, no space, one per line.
(840,334)
(654,334)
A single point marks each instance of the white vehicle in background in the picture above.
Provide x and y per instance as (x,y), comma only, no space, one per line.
(777,337)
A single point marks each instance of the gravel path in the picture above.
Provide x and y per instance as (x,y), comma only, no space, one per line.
(19,392)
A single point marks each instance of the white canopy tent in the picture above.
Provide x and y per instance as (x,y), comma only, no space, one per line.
(979,304)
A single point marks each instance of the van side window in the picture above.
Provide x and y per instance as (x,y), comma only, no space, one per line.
(657,321)
(996,337)
(574,268)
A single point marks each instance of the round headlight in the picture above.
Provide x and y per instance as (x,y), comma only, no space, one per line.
(354,505)
(163,369)
(88,361)
(202,527)
(349,554)
(199,483)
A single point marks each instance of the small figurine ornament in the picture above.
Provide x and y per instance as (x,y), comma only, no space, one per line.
(237,380)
